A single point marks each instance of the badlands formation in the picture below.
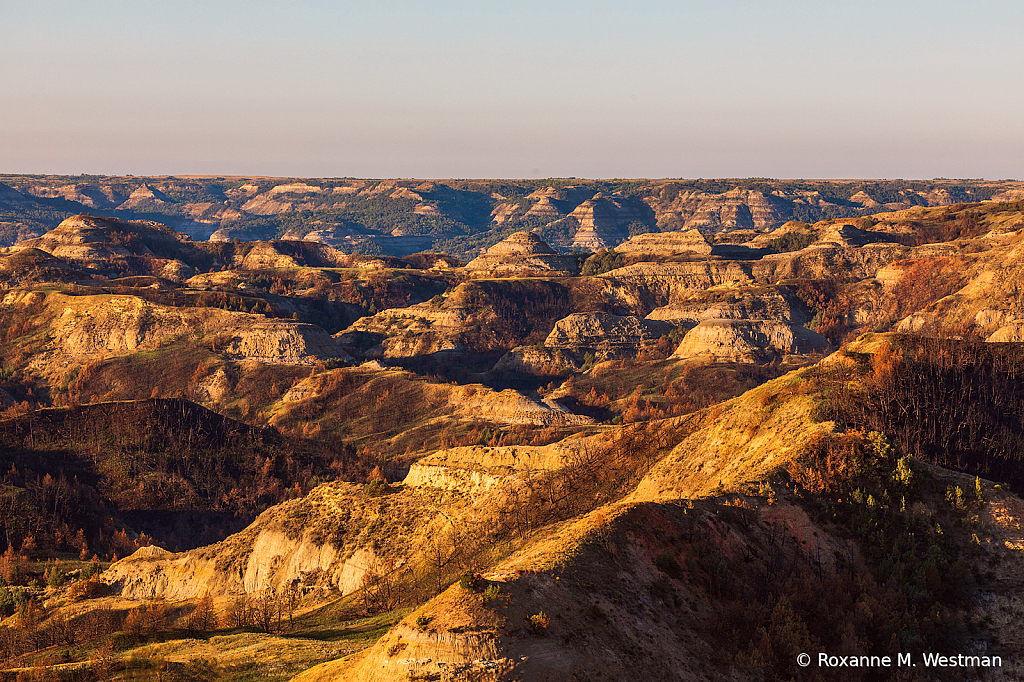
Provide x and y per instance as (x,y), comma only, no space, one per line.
(521,253)
(694,464)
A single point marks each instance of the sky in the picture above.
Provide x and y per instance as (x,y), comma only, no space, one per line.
(525,89)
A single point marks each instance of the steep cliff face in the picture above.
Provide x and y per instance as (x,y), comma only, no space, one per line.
(749,340)
(753,303)
(329,539)
(737,209)
(479,403)
(282,199)
(990,302)
(672,282)
(93,195)
(85,328)
(666,243)
(421,329)
(604,221)
(337,534)
(605,333)
(542,361)
(475,469)
(824,260)
(559,577)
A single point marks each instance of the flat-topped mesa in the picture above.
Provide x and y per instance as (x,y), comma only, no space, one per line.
(666,243)
(749,341)
(522,252)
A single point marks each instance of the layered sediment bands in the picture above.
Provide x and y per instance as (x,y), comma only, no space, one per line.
(84,328)
(336,535)
(821,262)
(541,361)
(605,333)
(754,304)
(478,403)
(749,340)
(94,242)
(283,342)
(421,329)
(521,252)
(736,209)
(324,540)
(676,281)
(666,243)
(604,221)
(475,468)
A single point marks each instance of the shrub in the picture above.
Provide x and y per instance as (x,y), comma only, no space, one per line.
(955,497)
(7,605)
(467,580)
(422,621)
(55,577)
(539,622)
(602,262)
(490,594)
(667,563)
(792,241)
(376,488)
(85,589)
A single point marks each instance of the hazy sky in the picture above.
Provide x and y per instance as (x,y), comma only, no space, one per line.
(379,88)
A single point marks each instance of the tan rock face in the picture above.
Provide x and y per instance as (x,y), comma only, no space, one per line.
(477,402)
(666,243)
(604,222)
(736,209)
(605,333)
(991,300)
(540,361)
(755,304)
(87,194)
(331,549)
(1010,333)
(282,199)
(140,197)
(749,340)
(677,282)
(87,239)
(279,341)
(476,468)
(85,328)
(521,252)
(337,534)
(544,209)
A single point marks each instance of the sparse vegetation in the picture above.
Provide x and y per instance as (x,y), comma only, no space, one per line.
(871,536)
(794,240)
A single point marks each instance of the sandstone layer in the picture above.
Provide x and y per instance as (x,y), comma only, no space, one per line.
(749,341)
(666,243)
(605,333)
(521,252)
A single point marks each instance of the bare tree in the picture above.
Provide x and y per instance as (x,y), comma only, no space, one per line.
(203,617)
(266,611)
(239,613)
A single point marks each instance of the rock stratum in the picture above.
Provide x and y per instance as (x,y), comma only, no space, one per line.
(521,253)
